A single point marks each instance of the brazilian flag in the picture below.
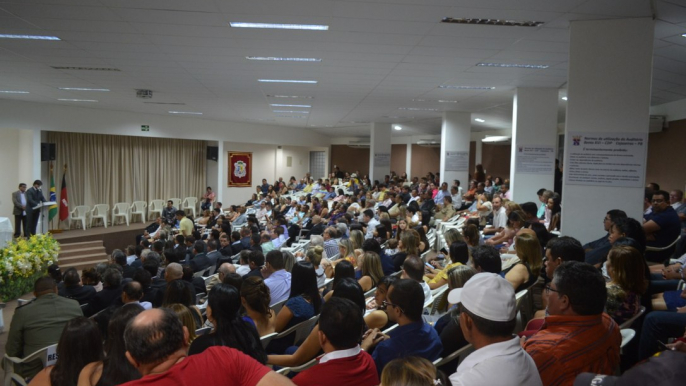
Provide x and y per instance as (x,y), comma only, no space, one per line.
(53,197)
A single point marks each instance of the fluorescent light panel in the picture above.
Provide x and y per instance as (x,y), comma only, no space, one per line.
(83,89)
(77,100)
(564,98)
(287,81)
(507,23)
(277,59)
(467,87)
(416,109)
(291,111)
(397,127)
(290,116)
(280,105)
(29,37)
(185,112)
(434,100)
(479,120)
(13,92)
(513,65)
(290,96)
(496,138)
(310,27)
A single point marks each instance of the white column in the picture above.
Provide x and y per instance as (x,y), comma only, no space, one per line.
(221,172)
(534,135)
(610,71)
(478,150)
(455,136)
(380,151)
(408,158)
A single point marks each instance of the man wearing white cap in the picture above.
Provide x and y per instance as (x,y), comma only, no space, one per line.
(487,319)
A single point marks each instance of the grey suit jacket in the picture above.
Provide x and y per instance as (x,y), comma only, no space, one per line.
(16,200)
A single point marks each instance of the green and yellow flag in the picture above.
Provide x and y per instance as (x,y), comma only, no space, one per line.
(53,197)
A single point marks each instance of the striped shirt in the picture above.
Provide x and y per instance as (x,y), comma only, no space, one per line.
(567,346)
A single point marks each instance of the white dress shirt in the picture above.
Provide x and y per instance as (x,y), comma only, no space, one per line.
(499,218)
(503,364)
(371,227)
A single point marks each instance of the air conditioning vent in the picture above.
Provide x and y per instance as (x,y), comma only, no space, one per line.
(657,123)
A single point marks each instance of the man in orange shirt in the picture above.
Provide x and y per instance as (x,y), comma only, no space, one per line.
(577,335)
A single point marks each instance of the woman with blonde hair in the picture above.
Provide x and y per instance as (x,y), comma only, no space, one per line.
(357,238)
(511,206)
(346,252)
(410,371)
(626,268)
(515,220)
(471,236)
(408,245)
(255,298)
(371,271)
(314,256)
(186,319)
(525,272)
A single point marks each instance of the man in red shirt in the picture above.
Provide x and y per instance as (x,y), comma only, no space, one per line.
(577,335)
(157,345)
(344,363)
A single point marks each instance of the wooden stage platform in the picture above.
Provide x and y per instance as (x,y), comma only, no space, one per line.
(112,237)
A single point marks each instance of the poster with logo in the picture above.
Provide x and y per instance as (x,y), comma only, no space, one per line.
(606,159)
(240,169)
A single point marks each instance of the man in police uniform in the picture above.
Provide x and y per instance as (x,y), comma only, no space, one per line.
(39,324)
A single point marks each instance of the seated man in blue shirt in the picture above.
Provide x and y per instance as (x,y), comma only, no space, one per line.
(404,304)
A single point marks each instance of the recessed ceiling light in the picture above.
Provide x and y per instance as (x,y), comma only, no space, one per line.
(291,111)
(290,96)
(185,112)
(513,65)
(280,105)
(479,120)
(77,100)
(287,81)
(416,109)
(507,23)
(495,138)
(434,100)
(291,116)
(396,117)
(564,98)
(467,87)
(30,37)
(311,27)
(13,92)
(83,89)
(165,103)
(397,127)
(85,68)
(271,58)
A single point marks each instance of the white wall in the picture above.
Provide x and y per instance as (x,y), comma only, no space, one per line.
(673,110)
(17,168)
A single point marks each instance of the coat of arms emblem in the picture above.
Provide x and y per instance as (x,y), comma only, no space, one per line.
(239,169)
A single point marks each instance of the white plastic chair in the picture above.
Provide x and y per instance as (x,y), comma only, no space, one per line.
(627,335)
(47,355)
(276,307)
(138,208)
(156,206)
(267,338)
(176,202)
(627,324)
(461,353)
(121,209)
(203,331)
(301,330)
(190,203)
(100,211)
(80,213)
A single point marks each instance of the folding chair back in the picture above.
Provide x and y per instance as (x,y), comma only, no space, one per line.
(301,330)
(461,353)
(47,355)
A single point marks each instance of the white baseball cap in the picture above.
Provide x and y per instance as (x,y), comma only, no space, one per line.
(487,295)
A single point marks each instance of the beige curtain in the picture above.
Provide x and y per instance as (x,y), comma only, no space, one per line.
(108,169)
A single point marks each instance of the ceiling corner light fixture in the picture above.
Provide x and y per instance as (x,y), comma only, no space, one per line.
(467,87)
(277,59)
(83,89)
(287,81)
(514,65)
(397,127)
(13,92)
(496,138)
(564,98)
(480,120)
(77,100)
(29,37)
(310,27)
(506,23)
(185,112)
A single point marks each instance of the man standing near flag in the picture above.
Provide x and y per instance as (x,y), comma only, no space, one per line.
(34,196)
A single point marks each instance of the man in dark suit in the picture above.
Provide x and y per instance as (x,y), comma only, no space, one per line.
(111,291)
(34,196)
(245,237)
(120,258)
(212,254)
(199,261)
(73,289)
(19,211)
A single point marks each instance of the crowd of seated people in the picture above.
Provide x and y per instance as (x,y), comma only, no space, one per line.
(242,274)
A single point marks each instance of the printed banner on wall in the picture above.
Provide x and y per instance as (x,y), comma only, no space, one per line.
(240,169)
